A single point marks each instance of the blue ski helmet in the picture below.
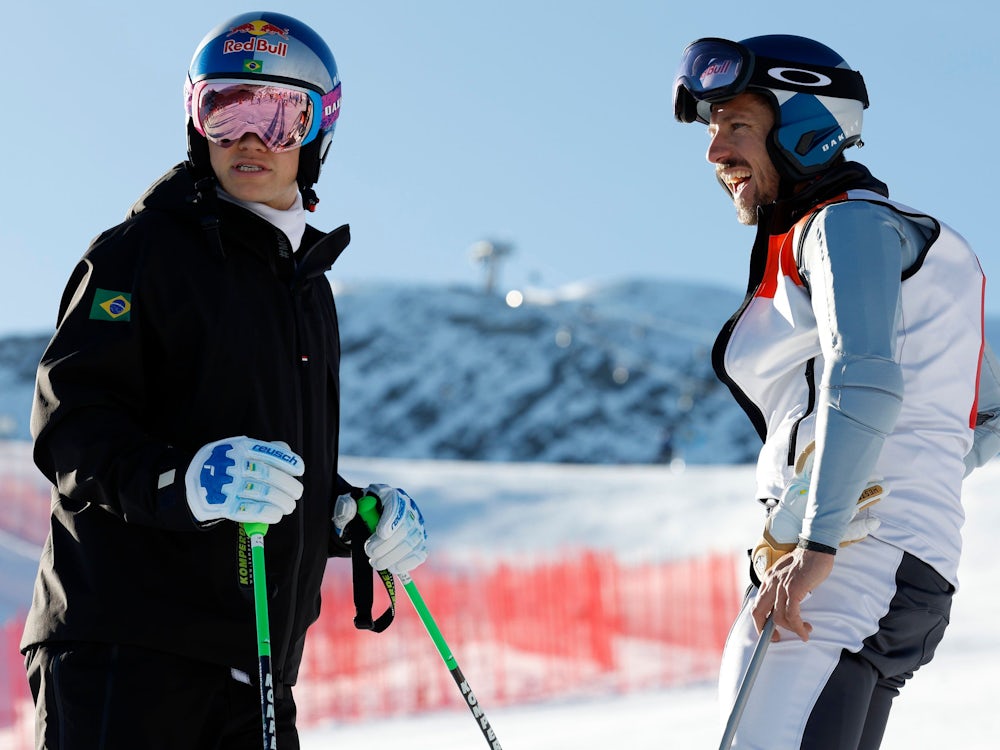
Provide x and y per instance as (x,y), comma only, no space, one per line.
(270,48)
(818,100)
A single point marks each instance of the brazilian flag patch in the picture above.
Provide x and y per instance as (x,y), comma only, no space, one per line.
(253,66)
(109,305)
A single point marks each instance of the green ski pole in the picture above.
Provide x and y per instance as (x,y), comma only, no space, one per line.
(256,532)
(369,513)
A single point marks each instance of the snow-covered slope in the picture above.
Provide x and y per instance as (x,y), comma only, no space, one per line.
(948,704)
(609,373)
(496,510)
(616,373)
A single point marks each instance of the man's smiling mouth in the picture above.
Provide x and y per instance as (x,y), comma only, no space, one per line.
(736,179)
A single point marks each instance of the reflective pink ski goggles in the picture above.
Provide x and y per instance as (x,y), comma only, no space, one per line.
(283,117)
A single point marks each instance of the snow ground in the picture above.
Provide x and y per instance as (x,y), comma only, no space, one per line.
(480,510)
(949,703)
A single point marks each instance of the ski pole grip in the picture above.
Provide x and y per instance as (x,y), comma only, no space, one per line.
(255,528)
(368,510)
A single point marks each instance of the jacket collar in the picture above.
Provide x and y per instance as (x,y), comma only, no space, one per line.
(322,251)
(780,216)
(192,198)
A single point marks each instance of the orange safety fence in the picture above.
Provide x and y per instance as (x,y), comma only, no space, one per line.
(586,624)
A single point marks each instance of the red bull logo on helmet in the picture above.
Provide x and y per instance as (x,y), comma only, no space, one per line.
(256,43)
(258,28)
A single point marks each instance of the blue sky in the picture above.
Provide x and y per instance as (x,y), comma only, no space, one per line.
(547,125)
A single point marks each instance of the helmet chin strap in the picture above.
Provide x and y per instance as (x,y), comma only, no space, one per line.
(197,149)
(309,198)
(311,158)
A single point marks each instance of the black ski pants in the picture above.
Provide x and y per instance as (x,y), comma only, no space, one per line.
(865,683)
(95,696)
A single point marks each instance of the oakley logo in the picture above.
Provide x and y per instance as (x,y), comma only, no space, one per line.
(834,143)
(799,77)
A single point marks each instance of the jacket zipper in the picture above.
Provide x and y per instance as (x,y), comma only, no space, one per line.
(295,294)
(810,376)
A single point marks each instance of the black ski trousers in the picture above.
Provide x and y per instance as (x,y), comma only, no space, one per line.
(865,683)
(95,696)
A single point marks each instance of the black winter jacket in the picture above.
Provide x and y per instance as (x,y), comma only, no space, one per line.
(189,322)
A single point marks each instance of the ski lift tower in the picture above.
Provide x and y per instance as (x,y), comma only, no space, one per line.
(490,254)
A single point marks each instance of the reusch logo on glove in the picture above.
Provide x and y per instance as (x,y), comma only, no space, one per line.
(271,451)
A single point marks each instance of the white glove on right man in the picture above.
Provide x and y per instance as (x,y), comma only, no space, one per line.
(784,519)
(243,480)
(399,543)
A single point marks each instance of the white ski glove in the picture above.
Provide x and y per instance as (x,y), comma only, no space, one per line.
(243,480)
(399,543)
(785,518)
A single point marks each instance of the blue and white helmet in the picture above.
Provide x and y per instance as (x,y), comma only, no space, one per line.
(264,47)
(817,98)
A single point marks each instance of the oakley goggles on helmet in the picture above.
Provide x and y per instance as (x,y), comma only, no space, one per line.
(714,70)
(283,117)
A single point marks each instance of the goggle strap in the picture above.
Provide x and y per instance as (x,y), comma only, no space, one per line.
(331,108)
(844,83)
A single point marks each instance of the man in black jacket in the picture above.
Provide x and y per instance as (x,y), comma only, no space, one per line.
(192,386)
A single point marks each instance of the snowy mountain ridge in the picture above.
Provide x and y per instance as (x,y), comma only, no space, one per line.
(608,373)
(590,373)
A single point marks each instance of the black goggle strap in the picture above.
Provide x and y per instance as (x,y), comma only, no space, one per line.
(820,80)
(361,571)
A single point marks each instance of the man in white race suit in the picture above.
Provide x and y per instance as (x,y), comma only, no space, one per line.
(859,356)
